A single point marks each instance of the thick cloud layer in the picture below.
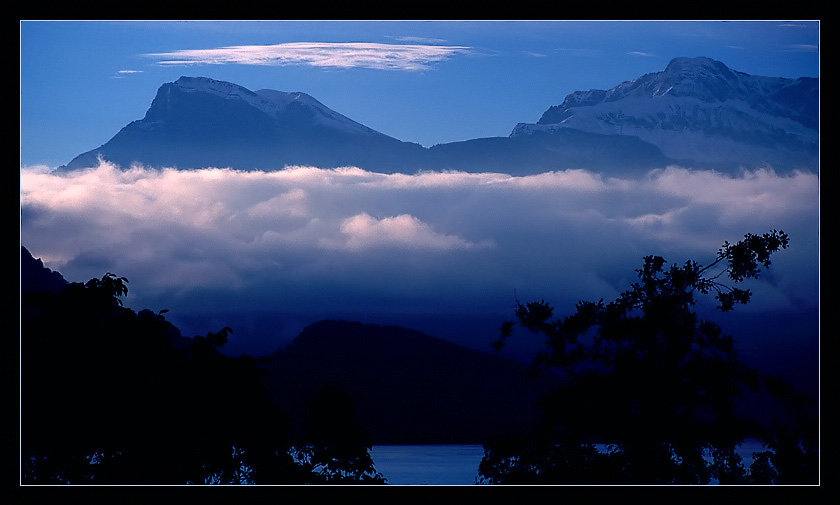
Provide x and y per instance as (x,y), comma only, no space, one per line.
(310,243)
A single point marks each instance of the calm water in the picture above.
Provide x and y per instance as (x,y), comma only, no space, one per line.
(454,465)
(428,464)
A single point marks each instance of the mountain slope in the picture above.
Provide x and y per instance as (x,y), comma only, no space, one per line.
(35,277)
(407,387)
(198,122)
(544,151)
(698,110)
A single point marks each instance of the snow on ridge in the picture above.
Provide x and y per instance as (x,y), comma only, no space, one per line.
(229,91)
(692,97)
(325,114)
(270,101)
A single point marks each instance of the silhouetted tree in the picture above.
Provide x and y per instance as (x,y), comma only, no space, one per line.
(649,389)
(337,448)
(117,397)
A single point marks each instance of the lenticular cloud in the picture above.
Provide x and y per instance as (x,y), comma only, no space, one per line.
(318,54)
(346,239)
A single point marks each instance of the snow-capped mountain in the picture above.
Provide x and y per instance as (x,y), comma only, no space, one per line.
(698,110)
(697,113)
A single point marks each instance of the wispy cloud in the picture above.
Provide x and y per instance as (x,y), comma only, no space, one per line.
(580,51)
(534,54)
(318,54)
(804,48)
(421,40)
(797,25)
(123,73)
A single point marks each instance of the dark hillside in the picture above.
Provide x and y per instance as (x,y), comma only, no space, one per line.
(34,276)
(407,387)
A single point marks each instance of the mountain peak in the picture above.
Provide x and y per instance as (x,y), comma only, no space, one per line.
(272,102)
(269,104)
(199,122)
(699,109)
(702,78)
(694,64)
(207,84)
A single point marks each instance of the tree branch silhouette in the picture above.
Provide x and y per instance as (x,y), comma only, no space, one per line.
(646,376)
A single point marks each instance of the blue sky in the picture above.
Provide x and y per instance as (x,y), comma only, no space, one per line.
(428,82)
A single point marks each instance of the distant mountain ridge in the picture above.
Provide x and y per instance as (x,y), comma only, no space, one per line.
(696,112)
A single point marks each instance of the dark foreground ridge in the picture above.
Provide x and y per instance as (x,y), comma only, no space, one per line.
(407,387)
(114,396)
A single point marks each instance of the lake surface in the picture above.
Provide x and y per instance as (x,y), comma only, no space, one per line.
(442,465)
(455,465)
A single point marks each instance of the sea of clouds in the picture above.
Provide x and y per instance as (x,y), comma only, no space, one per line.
(313,243)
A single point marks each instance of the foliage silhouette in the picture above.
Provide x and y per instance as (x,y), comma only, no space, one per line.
(110,396)
(658,386)
(338,449)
